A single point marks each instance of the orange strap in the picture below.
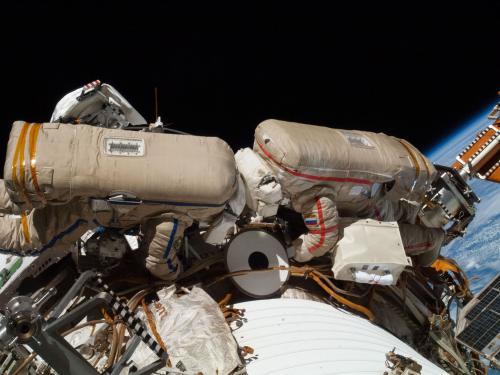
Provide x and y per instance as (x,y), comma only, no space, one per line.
(19,181)
(35,130)
(26,231)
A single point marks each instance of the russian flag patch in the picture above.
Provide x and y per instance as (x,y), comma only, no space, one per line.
(311,221)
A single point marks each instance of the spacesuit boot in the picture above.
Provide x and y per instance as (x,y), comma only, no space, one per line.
(162,239)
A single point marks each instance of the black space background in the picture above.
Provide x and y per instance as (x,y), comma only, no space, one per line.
(412,69)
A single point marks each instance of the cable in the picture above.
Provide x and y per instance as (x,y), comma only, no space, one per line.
(301,272)
(342,291)
(154,330)
(204,263)
(245,272)
(225,300)
(80,326)
(114,348)
(341,299)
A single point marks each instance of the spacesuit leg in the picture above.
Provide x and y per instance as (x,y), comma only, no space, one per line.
(422,243)
(407,211)
(6,205)
(321,219)
(162,240)
(401,210)
(43,228)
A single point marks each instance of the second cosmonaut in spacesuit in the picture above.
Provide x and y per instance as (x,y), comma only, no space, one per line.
(63,178)
(328,174)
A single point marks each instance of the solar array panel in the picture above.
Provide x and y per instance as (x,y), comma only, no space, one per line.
(485,297)
(484,321)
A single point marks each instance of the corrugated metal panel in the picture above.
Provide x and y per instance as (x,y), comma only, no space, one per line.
(306,337)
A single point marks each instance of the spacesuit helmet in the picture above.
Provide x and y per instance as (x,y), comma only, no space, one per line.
(97,104)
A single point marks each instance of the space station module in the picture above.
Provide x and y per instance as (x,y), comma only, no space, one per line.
(62,179)
(329,174)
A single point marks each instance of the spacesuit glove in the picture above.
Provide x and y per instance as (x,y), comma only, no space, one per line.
(172,276)
(302,254)
(163,272)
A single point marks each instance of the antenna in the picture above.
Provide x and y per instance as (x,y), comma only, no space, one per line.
(157,122)
(156,103)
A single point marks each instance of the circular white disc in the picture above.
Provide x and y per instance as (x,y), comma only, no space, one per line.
(258,248)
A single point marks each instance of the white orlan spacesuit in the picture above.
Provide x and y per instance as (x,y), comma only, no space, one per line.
(329,173)
(63,179)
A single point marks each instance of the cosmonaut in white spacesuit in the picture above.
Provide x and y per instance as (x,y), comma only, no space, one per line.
(327,174)
(63,179)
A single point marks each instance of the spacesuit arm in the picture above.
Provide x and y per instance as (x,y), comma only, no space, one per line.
(42,228)
(321,220)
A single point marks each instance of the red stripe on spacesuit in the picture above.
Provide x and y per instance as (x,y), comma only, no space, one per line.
(314,177)
(322,226)
(327,230)
(424,245)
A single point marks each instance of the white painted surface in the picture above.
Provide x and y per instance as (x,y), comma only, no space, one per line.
(306,337)
(238,255)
